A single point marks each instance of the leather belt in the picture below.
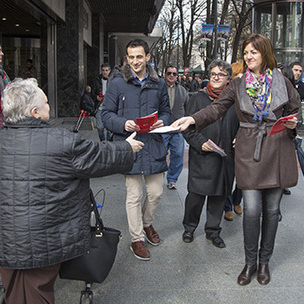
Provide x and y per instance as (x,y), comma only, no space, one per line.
(260,136)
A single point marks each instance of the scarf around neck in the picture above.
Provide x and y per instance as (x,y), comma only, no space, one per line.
(259,91)
(212,92)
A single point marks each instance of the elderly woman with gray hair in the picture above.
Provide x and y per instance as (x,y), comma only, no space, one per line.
(45,192)
(210,175)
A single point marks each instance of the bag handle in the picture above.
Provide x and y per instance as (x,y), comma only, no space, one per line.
(99,223)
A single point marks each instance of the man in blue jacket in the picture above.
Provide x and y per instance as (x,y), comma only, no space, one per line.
(139,92)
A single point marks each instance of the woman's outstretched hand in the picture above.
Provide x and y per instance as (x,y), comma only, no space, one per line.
(183,123)
(135,144)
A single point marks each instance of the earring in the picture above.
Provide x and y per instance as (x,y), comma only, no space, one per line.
(39,117)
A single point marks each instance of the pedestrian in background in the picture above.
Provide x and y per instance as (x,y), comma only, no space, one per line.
(45,201)
(136,93)
(233,201)
(210,175)
(297,68)
(29,71)
(261,96)
(174,142)
(87,103)
(101,86)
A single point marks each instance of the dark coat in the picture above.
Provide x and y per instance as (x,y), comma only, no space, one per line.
(44,191)
(180,101)
(209,173)
(98,85)
(299,85)
(277,166)
(126,99)
(87,104)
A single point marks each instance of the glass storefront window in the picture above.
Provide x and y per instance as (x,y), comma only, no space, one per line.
(263,20)
(283,23)
(16,52)
(287,56)
(289,24)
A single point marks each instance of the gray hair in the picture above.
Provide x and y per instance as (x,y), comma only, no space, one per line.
(223,65)
(19,98)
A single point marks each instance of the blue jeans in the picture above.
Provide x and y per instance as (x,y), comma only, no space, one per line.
(259,204)
(175,143)
(100,127)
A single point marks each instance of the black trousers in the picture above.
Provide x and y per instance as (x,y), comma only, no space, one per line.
(260,204)
(29,286)
(193,208)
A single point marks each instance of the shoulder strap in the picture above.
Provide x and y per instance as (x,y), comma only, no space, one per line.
(99,223)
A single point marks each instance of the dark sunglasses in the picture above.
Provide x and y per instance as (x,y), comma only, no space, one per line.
(173,73)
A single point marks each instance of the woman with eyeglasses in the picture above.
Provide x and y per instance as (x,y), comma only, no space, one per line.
(210,175)
(264,165)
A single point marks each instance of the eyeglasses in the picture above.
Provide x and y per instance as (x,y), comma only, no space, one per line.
(219,75)
(173,73)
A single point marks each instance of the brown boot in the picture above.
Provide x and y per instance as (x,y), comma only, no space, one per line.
(228,216)
(140,251)
(152,236)
(263,274)
(245,276)
(238,209)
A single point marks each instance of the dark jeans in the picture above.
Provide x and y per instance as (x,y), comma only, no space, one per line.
(233,199)
(257,203)
(193,208)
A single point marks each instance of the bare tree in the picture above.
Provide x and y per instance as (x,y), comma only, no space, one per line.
(163,52)
(243,20)
(190,12)
(181,21)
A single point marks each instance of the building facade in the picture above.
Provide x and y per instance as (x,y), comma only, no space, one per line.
(283,23)
(69,39)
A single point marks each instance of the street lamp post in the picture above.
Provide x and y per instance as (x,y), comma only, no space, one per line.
(201,49)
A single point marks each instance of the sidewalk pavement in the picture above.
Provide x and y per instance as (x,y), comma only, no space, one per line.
(181,273)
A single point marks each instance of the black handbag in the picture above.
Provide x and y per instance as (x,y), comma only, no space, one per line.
(95,265)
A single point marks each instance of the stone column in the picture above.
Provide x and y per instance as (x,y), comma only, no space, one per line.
(70,61)
(93,65)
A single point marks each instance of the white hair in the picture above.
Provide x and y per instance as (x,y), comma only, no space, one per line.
(19,98)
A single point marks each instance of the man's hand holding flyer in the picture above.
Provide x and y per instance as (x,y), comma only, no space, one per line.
(145,123)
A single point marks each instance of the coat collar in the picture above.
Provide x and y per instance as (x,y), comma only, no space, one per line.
(128,76)
(279,95)
(29,122)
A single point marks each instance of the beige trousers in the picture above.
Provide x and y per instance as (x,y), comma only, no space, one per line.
(142,216)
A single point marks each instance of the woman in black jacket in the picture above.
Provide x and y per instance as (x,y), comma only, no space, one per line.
(44,192)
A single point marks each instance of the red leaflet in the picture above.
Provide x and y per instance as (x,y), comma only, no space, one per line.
(146,122)
(279,124)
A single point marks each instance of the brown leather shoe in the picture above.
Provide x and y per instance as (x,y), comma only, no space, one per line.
(263,274)
(228,216)
(238,209)
(245,276)
(152,236)
(140,251)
